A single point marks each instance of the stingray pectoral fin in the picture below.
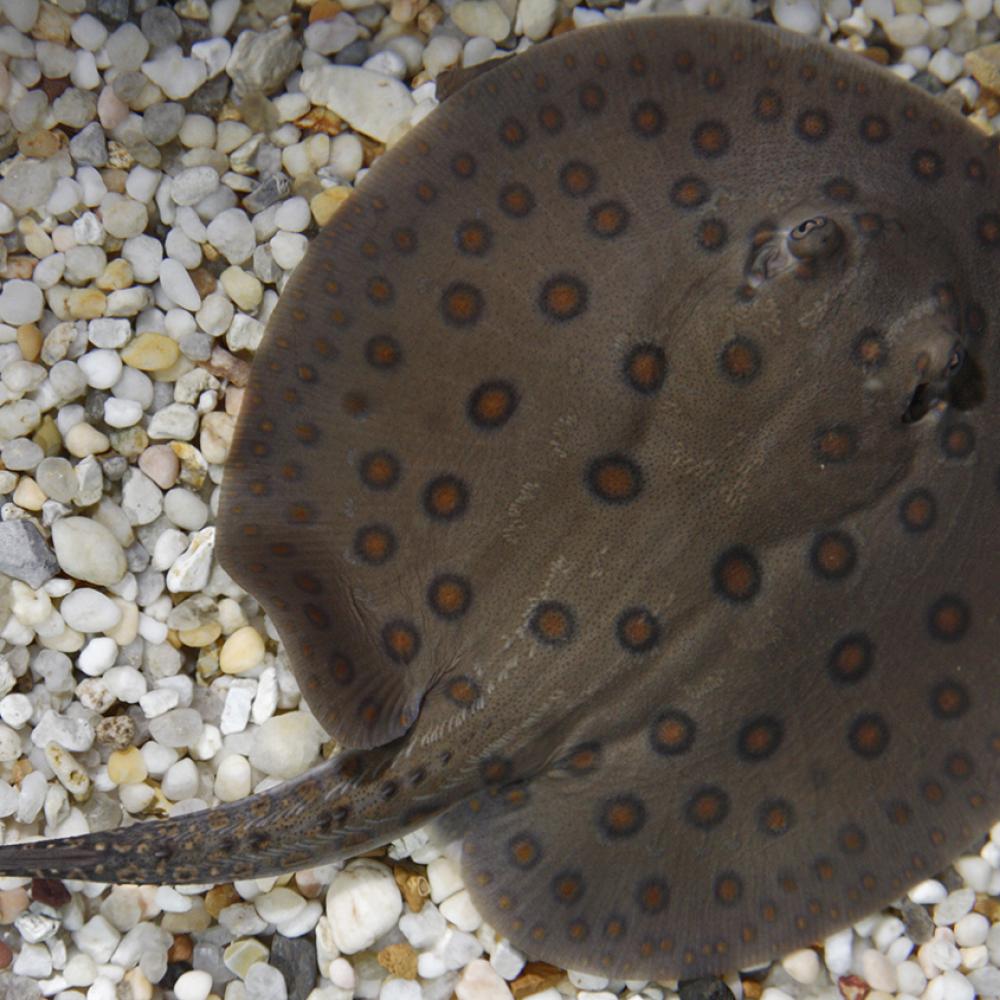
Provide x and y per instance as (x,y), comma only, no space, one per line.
(329,813)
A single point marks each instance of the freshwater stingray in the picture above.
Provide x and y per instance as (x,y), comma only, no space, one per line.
(619,472)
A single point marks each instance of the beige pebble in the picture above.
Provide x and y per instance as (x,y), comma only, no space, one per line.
(216,436)
(116,276)
(243,288)
(29,341)
(13,902)
(128,627)
(87,303)
(151,352)
(66,641)
(126,767)
(201,635)
(243,953)
(325,204)
(984,65)
(242,651)
(82,440)
(161,465)
(28,495)
(194,467)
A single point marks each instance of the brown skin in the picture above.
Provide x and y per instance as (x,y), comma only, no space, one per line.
(660,352)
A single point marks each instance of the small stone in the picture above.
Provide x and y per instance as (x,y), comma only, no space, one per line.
(191,185)
(177,728)
(24,554)
(801,16)
(20,302)
(178,286)
(240,956)
(288,249)
(176,421)
(127,766)
(88,610)
(286,745)
(371,103)
(151,352)
(191,569)
(178,77)
(362,903)
(242,651)
(161,123)
(195,984)
(86,550)
(956,905)
(262,61)
(907,30)
(480,981)
(232,234)
(122,216)
(233,779)
(484,18)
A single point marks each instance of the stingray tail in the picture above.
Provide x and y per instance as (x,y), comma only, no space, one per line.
(336,810)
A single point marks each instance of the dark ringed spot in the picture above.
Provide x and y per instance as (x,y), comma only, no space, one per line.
(648,119)
(689,192)
(707,807)
(672,733)
(306,433)
(383,352)
(874,129)
(645,368)
(513,133)
(608,219)
(473,237)
(948,618)
(759,738)
(988,229)
(563,297)
(739,360)
(839,189)
(711,234)
(775,817)
(728,889)
(425,192)
(524,851)
(833,555)
(949,700)
(838,443)
(927,165)
(869,350)
(638,630)
(449,596)
(341,668)
(462,691)
(552,623)
(621,817)
(615,479)
(768,106)
(379,470)
(492,404)
(918,511)
(813,125)
(958,440)
(652,895)
(446,498)
(496,770)
(868,735)
(736,575)
(568,887)
(959,766)
(551,119)
(851,658)
(404,239)
(577,179)
(898,812)
(461,304)
(851,839)
(584,758)
(463,166)
(516,200)
(713,79)
(401,641)
(710,139)
(592,98)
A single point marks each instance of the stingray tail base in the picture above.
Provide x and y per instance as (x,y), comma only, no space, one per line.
(331,812)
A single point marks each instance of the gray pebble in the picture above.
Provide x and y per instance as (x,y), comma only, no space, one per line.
(89,146)
(272,9)
(114,467)
(18,987)
(371,17)
(704,989)
(28,112)
(137,558)
(209,98)
(196,346)
(160,26)
(180,727)
(264,266)
(25,556)
(93,406)
(262,61)
(352,55)
(74,108)
(274,189)
(128,86)
(57,478)
(919,925)
(162,122)
(112,10)
(295,959)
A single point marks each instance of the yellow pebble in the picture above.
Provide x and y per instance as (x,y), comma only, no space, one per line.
(243,288)
(243,953)
(202,635)
(28,495)
(86,303)
(126,767)
(325,204)
(29,341)
(151,352)
(82,440)
(117,275)
(243,650)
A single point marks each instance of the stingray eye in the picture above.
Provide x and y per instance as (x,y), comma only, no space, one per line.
(955,361)
(815,237)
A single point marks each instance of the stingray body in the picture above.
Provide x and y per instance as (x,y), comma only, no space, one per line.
(619,470)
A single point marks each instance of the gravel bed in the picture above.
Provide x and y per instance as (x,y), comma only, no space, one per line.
(162,169)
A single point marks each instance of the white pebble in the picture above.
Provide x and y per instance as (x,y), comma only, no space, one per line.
(288,249)
(956,905)
(233,779)
(928,892)
(878,970)
(195,984)
(362,903)
(971,930)
(177,284)
(20,302)
(803,965)
(88,610)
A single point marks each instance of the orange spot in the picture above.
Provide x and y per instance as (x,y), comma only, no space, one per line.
(463,691)
(307,433)
(553,624)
